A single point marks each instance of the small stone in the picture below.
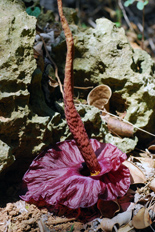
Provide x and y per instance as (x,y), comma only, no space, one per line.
(14,213)
(9,207)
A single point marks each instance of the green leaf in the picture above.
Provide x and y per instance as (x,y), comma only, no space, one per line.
(117,24)
(140,5)
(128,2)
(146,2)
(139,36)
(83,25)
(33,11)
(72,228)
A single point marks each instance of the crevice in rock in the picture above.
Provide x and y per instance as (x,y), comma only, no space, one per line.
(137,66)
(117,104)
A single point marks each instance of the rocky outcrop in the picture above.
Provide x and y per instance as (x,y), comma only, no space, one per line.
(21,129)
(107,58)
(103,55)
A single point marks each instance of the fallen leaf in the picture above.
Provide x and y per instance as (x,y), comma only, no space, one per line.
(146,162)
(152,185)
(119,127)
(116,222)
(142,219)
(152,148)
(137,176)
(144,199)
(53,83)
(126,228)
(152,207)
(99,97)
(126,201)
(135,45)
(144,154)
(112,206)
(107,225)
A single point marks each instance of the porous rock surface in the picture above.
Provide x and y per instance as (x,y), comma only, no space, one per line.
(103,55)
(107,58)
(22,132)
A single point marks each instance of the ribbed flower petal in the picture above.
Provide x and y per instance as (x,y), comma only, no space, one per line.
(55,176)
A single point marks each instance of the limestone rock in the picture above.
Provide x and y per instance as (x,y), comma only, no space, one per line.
(107,58)
(23,129)
(104,56)
(6,157)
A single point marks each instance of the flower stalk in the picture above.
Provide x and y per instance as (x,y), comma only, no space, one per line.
(74,121)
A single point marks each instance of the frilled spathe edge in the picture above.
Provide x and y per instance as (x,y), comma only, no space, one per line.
(55,176)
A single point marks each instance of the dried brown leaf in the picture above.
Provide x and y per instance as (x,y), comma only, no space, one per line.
(99,97)
(127,200)
(117,221)
(146,162)
(53,83)
(126,228)
(152,185)
(118,127)
(108,208)
(144,154)
(137,176)
(152,148)
(142,219)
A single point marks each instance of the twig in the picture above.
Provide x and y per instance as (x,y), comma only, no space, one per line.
(125,15)
(91,22)
(55,66)
(143,23)
(97,9)
(42,226)
(78,87)
(151,44)
(135,19)
(62,220)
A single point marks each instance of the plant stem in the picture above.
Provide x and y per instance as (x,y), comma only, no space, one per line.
(143,23)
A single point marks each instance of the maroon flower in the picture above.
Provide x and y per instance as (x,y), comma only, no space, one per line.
(75,174)
(59,176)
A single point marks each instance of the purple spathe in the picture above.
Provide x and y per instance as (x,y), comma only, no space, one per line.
(55,176)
